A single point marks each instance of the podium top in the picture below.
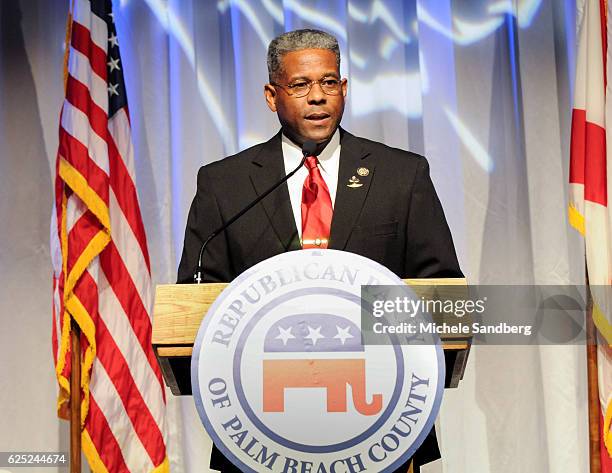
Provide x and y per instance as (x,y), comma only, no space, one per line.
(180,308)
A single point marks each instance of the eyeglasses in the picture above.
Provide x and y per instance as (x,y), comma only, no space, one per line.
(301,88)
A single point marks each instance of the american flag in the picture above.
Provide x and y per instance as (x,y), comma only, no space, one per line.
(102,271)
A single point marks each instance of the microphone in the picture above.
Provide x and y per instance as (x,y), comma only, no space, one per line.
(308,149)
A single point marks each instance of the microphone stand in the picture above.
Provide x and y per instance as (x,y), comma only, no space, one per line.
(308,149)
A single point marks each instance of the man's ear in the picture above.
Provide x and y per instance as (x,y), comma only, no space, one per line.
(344,87)
(270,95)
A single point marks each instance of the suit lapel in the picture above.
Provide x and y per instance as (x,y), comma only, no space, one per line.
(352,188)
(268,168)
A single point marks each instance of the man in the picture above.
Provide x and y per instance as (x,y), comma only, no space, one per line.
(356,195)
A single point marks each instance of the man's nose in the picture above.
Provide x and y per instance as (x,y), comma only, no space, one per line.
(316,94)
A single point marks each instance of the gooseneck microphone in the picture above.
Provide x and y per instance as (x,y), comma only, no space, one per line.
(309,148)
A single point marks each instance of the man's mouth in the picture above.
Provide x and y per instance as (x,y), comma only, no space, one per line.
(317,117)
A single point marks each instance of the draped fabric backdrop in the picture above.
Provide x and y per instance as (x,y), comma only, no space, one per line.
(481,87)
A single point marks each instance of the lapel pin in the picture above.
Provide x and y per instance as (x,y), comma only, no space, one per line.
(354,182)
(363,172)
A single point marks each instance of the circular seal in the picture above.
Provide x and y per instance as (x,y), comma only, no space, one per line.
(283,382)
(363,171)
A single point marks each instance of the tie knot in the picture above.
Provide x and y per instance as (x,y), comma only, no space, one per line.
(311,163)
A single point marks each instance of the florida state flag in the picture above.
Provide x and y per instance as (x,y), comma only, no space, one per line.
(589,180)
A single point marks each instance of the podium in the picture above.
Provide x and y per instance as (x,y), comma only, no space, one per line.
(180,308)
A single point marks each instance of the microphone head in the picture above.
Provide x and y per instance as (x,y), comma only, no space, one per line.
(309,148)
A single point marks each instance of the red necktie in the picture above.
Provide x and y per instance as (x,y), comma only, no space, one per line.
(316,208)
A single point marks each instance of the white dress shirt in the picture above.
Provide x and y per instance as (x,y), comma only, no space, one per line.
(329,164)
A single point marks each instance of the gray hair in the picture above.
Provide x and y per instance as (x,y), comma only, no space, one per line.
(296,41)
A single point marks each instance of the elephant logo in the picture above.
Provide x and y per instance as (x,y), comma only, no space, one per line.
(317,334)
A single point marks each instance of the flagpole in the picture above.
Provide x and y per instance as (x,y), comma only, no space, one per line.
(593,388)
(75,398)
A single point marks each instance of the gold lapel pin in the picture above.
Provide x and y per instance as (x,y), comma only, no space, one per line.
(363,172)
(354,182)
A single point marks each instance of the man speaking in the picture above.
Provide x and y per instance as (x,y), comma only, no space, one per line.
(351,194)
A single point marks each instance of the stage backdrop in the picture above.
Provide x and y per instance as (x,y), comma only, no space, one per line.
(482,88)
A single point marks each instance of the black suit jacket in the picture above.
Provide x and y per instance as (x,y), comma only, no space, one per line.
(394,218)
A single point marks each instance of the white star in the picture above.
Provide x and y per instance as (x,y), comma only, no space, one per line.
(112,39)
(343,334)
(113,64)
(314,334)
(112,89)
(284,335)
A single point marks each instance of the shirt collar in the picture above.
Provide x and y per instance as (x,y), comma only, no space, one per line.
(294,152)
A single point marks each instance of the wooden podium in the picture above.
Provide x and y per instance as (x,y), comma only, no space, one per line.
(180,308)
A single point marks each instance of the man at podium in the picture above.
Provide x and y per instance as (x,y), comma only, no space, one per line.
(351,194)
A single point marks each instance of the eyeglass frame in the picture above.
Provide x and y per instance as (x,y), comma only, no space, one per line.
(311,84)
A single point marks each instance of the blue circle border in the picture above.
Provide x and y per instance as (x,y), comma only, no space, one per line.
(197,347)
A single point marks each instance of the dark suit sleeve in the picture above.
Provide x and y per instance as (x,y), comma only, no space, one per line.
(204,218)
(430,252)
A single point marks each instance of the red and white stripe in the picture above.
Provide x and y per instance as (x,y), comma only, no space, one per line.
(126,417)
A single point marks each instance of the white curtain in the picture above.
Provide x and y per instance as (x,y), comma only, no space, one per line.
(482,88)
